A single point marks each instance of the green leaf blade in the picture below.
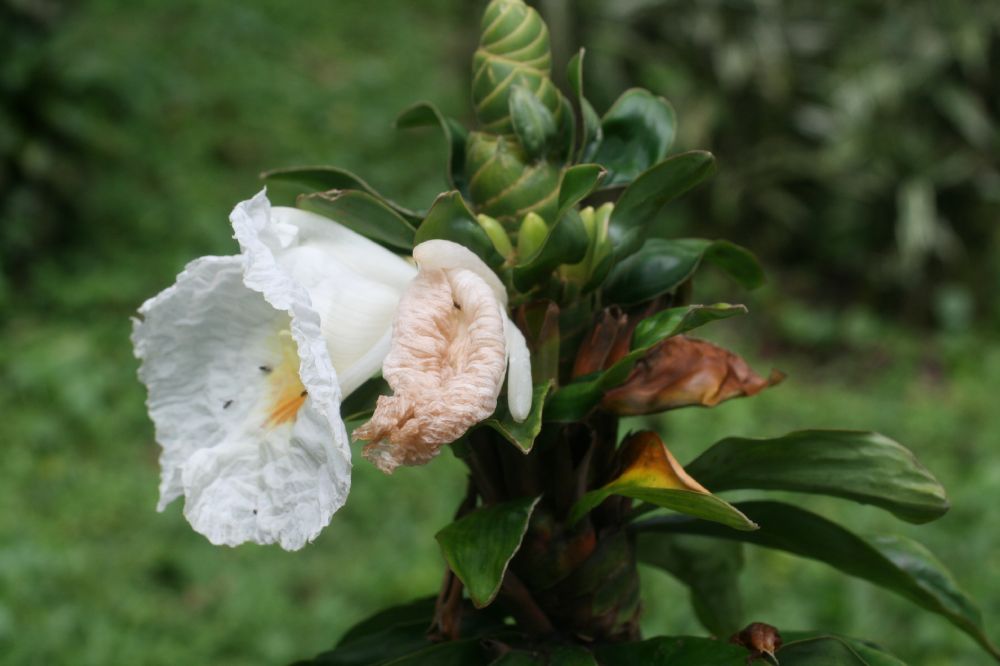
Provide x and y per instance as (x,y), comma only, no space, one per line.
(637,131)
(566,243)
(363,213)
(426,114)
(287,184)
(672,651)
(641,201)
(450,219)
(860,466)
(662,265)
(523,434)
(784,527)
(480,545)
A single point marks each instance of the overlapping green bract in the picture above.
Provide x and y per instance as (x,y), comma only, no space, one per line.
(559,201)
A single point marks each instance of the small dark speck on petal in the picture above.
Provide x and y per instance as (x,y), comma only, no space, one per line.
(266,369)
(457,306)
(303,394)
(255,512)
(226,404)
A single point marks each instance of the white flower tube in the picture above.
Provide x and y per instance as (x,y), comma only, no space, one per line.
(246,360)
(452,344)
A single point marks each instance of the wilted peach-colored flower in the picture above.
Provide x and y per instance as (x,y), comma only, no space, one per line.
(450,349)
(682,371)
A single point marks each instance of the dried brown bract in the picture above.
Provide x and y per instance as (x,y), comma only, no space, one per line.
(682,371)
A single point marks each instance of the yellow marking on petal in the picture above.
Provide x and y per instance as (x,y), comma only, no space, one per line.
(287,392)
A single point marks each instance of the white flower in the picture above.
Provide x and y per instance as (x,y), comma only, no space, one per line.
(246,359)
(452,343)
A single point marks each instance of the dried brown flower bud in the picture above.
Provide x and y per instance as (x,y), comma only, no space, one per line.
(761,639)
(682,371)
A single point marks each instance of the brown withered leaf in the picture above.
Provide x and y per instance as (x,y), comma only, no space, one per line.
(683,371)
(593,353)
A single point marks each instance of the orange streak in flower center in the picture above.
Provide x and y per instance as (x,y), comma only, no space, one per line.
(288,393)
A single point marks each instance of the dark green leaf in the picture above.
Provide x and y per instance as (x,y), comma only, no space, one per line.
(862,466)
(900,566)
(565,244)
(675,321)
(817,649)
(573,401)
(591,134)
(425,114)
(662,265)
(451,219)
(363,213)
(454,653)
(480,545)
(569,655)
(577,182)
(711,571)
(519,658)
(565,143)
(284,186)
(522,435)
(534,124)
(638,130)
(672,651)
(388,634)
(641,201)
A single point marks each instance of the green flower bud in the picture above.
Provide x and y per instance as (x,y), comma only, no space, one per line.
(496,232)
(531,236)
(599,246)
(513,50)
(502,182)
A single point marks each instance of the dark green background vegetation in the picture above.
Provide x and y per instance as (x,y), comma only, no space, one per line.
(858,151)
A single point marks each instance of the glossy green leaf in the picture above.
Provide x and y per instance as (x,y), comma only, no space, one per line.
(387,635)
(425,114)
(565,142)
(898,565)
(520,658)
(711,571)
(454,653)
(574,401)
(480,545)
(284,186)
(672,651)
(522,435)
(364,214)
(591,133)
(571,655)
(451,219)
(565,244)
(641,201)
(810,648)
(534,124)
(638,130)
(661,265)
(674,321)
(864,467)
(577,182)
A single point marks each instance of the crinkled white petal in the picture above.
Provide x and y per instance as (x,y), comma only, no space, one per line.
(245,404)
(519,387)
(353,283)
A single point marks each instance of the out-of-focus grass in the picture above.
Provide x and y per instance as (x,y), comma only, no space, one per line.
(211,93)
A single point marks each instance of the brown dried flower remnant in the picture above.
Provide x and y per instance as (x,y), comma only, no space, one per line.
(446,367)
(761,639)
(682,371)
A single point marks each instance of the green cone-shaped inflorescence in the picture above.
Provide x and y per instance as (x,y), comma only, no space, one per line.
(566,208)
(513,51)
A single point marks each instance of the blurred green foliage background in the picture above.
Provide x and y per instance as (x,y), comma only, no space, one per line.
(859,157)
